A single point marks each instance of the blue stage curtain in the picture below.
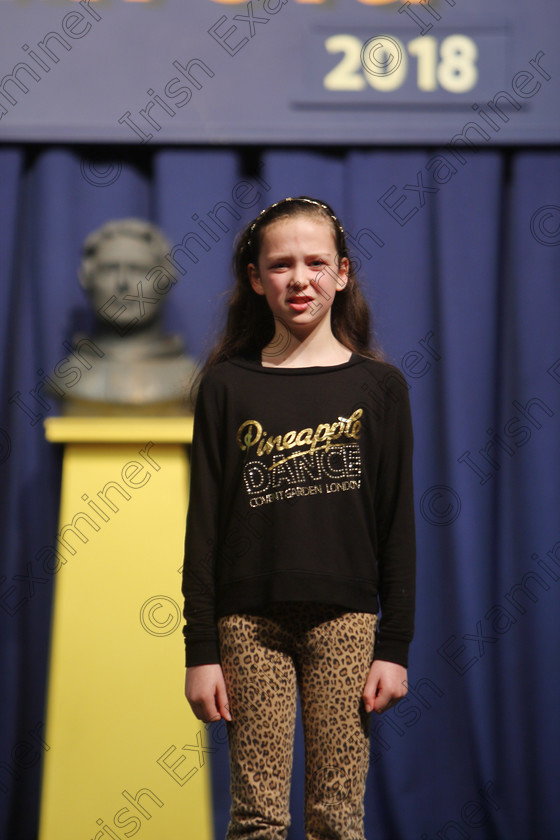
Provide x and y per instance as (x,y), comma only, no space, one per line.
(464,283)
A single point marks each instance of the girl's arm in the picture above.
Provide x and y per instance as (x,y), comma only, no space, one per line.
(385,685)
(205,690)
(201,632)
(205,687)
(396,550)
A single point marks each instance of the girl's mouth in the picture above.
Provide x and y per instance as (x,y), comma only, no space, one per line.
(299,303)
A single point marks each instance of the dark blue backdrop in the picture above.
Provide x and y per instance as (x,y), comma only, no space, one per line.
(464,285)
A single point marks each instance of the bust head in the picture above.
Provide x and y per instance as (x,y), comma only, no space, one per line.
(115,259)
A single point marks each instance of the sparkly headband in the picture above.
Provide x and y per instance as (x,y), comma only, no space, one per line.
(306,200)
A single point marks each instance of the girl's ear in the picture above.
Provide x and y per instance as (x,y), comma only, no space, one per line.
(343,269)
(254,279)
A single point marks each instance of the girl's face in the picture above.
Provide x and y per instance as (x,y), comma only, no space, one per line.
(299,271)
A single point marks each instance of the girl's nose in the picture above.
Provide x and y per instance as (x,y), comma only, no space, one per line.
(299,278)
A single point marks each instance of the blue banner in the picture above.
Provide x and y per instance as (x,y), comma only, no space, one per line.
(280,71)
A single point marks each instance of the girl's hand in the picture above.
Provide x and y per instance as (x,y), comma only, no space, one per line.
(205,689)
(384,686)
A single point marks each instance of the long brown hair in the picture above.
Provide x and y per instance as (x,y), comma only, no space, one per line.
(250,324)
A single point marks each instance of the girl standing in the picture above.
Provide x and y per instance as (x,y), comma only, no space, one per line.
(300,525)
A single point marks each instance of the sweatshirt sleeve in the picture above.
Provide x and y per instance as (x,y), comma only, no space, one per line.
(395,525)
(200,632)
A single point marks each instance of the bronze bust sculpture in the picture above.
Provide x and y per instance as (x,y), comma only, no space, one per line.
(133,367)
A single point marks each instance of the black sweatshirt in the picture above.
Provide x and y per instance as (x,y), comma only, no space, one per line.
(301,490)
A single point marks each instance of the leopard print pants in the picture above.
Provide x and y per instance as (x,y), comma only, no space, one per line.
(326,652)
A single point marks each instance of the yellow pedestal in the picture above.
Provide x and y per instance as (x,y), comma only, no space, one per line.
(127,757)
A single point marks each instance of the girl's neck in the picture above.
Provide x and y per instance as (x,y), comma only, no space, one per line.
(286,350)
